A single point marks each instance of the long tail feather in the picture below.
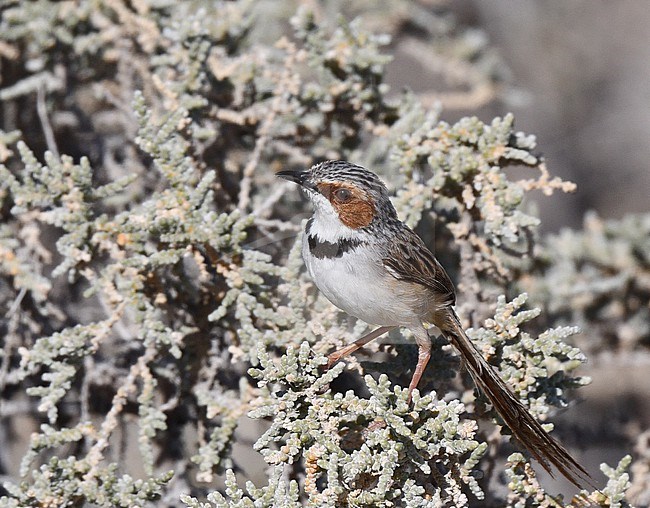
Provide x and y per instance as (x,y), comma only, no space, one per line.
(523,425)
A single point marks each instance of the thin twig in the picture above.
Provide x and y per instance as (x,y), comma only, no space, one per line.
(31,84)
(12,408)
(118,325)
(264,137)
(271,200)
(96,453)
(249,170)
(11,341)
(267,241)
(278,224)
(481,90)
(41,107)
(296,155)
(84,395)
(16,303)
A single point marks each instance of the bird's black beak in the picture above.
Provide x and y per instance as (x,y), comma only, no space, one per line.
(299,177)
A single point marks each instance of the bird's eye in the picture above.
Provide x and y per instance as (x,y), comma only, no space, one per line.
(343,195)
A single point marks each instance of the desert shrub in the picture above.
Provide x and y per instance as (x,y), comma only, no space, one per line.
(154,297)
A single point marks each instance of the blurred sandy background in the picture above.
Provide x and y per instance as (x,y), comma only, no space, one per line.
(579,79)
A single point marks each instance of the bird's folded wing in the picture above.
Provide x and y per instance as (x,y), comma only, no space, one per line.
(410,260)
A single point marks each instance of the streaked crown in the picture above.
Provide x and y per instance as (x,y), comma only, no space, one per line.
(343,171)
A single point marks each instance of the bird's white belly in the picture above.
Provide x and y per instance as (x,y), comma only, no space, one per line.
(362,288)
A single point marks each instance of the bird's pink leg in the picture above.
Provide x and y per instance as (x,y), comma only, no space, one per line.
(358,344)
(424,354)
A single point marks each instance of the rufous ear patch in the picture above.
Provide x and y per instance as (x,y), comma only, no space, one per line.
(357,212)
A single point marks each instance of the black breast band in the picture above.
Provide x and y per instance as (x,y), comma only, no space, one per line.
(323,249)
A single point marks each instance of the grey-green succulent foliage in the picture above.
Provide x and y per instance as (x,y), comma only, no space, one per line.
(154,300)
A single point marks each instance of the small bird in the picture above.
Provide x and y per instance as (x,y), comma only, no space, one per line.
(374,267)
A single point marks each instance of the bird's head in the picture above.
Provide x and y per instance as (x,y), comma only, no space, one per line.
(344,191)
